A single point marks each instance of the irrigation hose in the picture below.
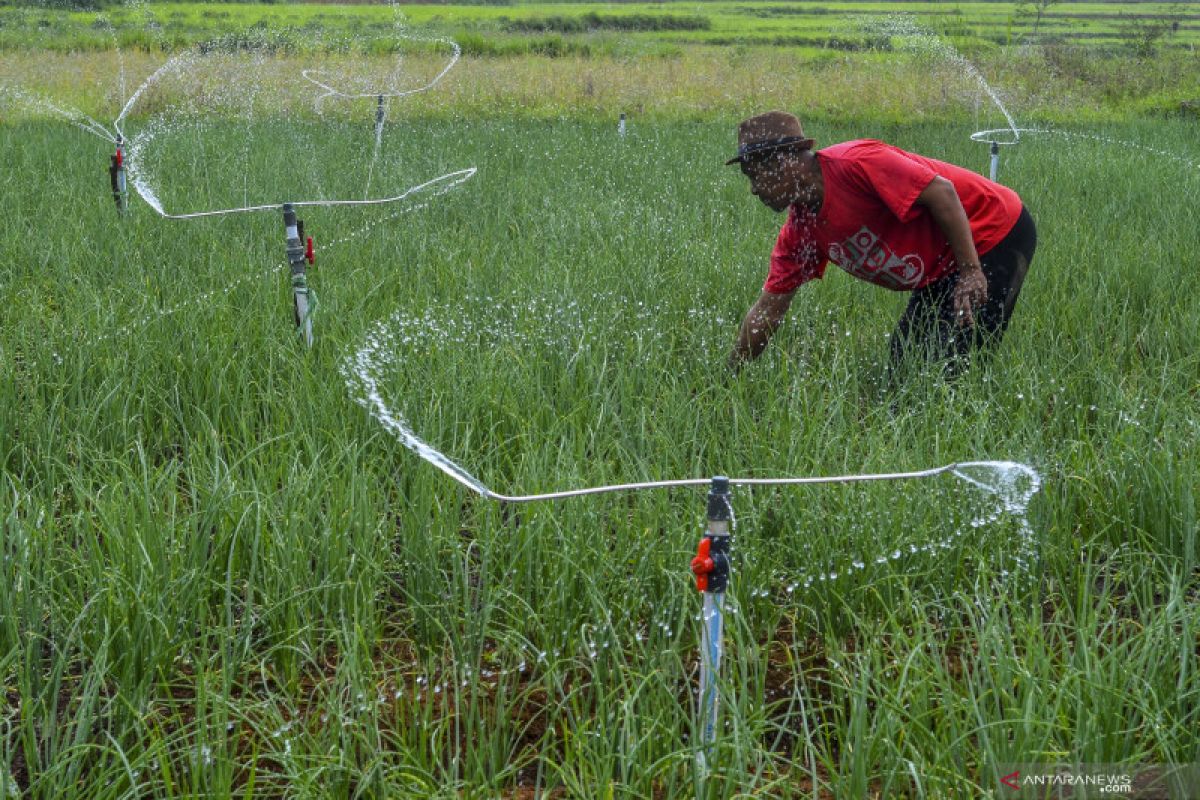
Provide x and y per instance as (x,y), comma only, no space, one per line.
(633,487)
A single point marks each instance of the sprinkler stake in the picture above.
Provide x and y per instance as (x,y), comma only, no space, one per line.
(116,177)
(298,259)
(995,160)
(711,568)
(380,115)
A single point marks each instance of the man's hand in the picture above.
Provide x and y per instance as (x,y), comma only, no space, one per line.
(758,326)
(735,361)
(970,292)
(944,205)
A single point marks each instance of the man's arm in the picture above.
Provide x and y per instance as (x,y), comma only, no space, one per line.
(758,326)
(947,211)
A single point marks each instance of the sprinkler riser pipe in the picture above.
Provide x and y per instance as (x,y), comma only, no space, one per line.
(116,176)
(711,630)
(295,245)
(995,167)
(298,264)
(116,179)
(716,581)
(720,513)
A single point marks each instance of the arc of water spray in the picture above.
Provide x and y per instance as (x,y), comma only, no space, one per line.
(86,123)
(330,91)
(141,185)
(310,75)
(71,115)
(172,64)
(991,135)
(205,297)
(438,185)
(105,23)
(920,39)
(359,372)
(149,196)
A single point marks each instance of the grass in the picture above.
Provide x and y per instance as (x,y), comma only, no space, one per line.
(222,577)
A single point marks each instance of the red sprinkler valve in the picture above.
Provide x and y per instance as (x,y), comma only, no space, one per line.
(711,564)
(120,158)
(702,564)
(309,253)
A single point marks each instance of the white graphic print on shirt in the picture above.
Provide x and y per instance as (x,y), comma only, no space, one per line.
(865,256)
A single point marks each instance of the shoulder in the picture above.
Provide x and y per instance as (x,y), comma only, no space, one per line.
(852,161)
(855,148)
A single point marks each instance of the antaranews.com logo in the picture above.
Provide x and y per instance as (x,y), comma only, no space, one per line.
(1018,781)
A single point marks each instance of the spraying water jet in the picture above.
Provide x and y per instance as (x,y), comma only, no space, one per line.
(1012,482)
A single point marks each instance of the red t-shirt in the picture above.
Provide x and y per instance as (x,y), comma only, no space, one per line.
(870,226)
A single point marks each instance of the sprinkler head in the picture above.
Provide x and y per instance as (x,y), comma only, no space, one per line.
(719,509)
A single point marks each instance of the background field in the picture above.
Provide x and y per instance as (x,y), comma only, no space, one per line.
(629,28)
(1080,61)
(222,577)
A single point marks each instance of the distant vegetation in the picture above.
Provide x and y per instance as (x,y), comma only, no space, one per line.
(591,21)
(1094,59)
(505,30)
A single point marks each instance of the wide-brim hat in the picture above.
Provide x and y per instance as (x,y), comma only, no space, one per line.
(769,131)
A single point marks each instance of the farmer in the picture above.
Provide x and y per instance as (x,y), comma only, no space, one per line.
(958,242)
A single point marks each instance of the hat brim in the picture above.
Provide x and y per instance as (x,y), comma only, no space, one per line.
(797,143)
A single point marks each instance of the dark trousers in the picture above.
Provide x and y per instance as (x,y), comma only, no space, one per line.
(928,327)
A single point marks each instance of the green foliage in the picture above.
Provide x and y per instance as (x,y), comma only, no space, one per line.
(856,44)
(1145,34)
(223,577)
(1035,10)
(593,21)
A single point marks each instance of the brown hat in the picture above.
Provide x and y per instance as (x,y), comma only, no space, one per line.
(769,131)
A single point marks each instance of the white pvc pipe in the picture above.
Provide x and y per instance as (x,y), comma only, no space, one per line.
(711,641)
